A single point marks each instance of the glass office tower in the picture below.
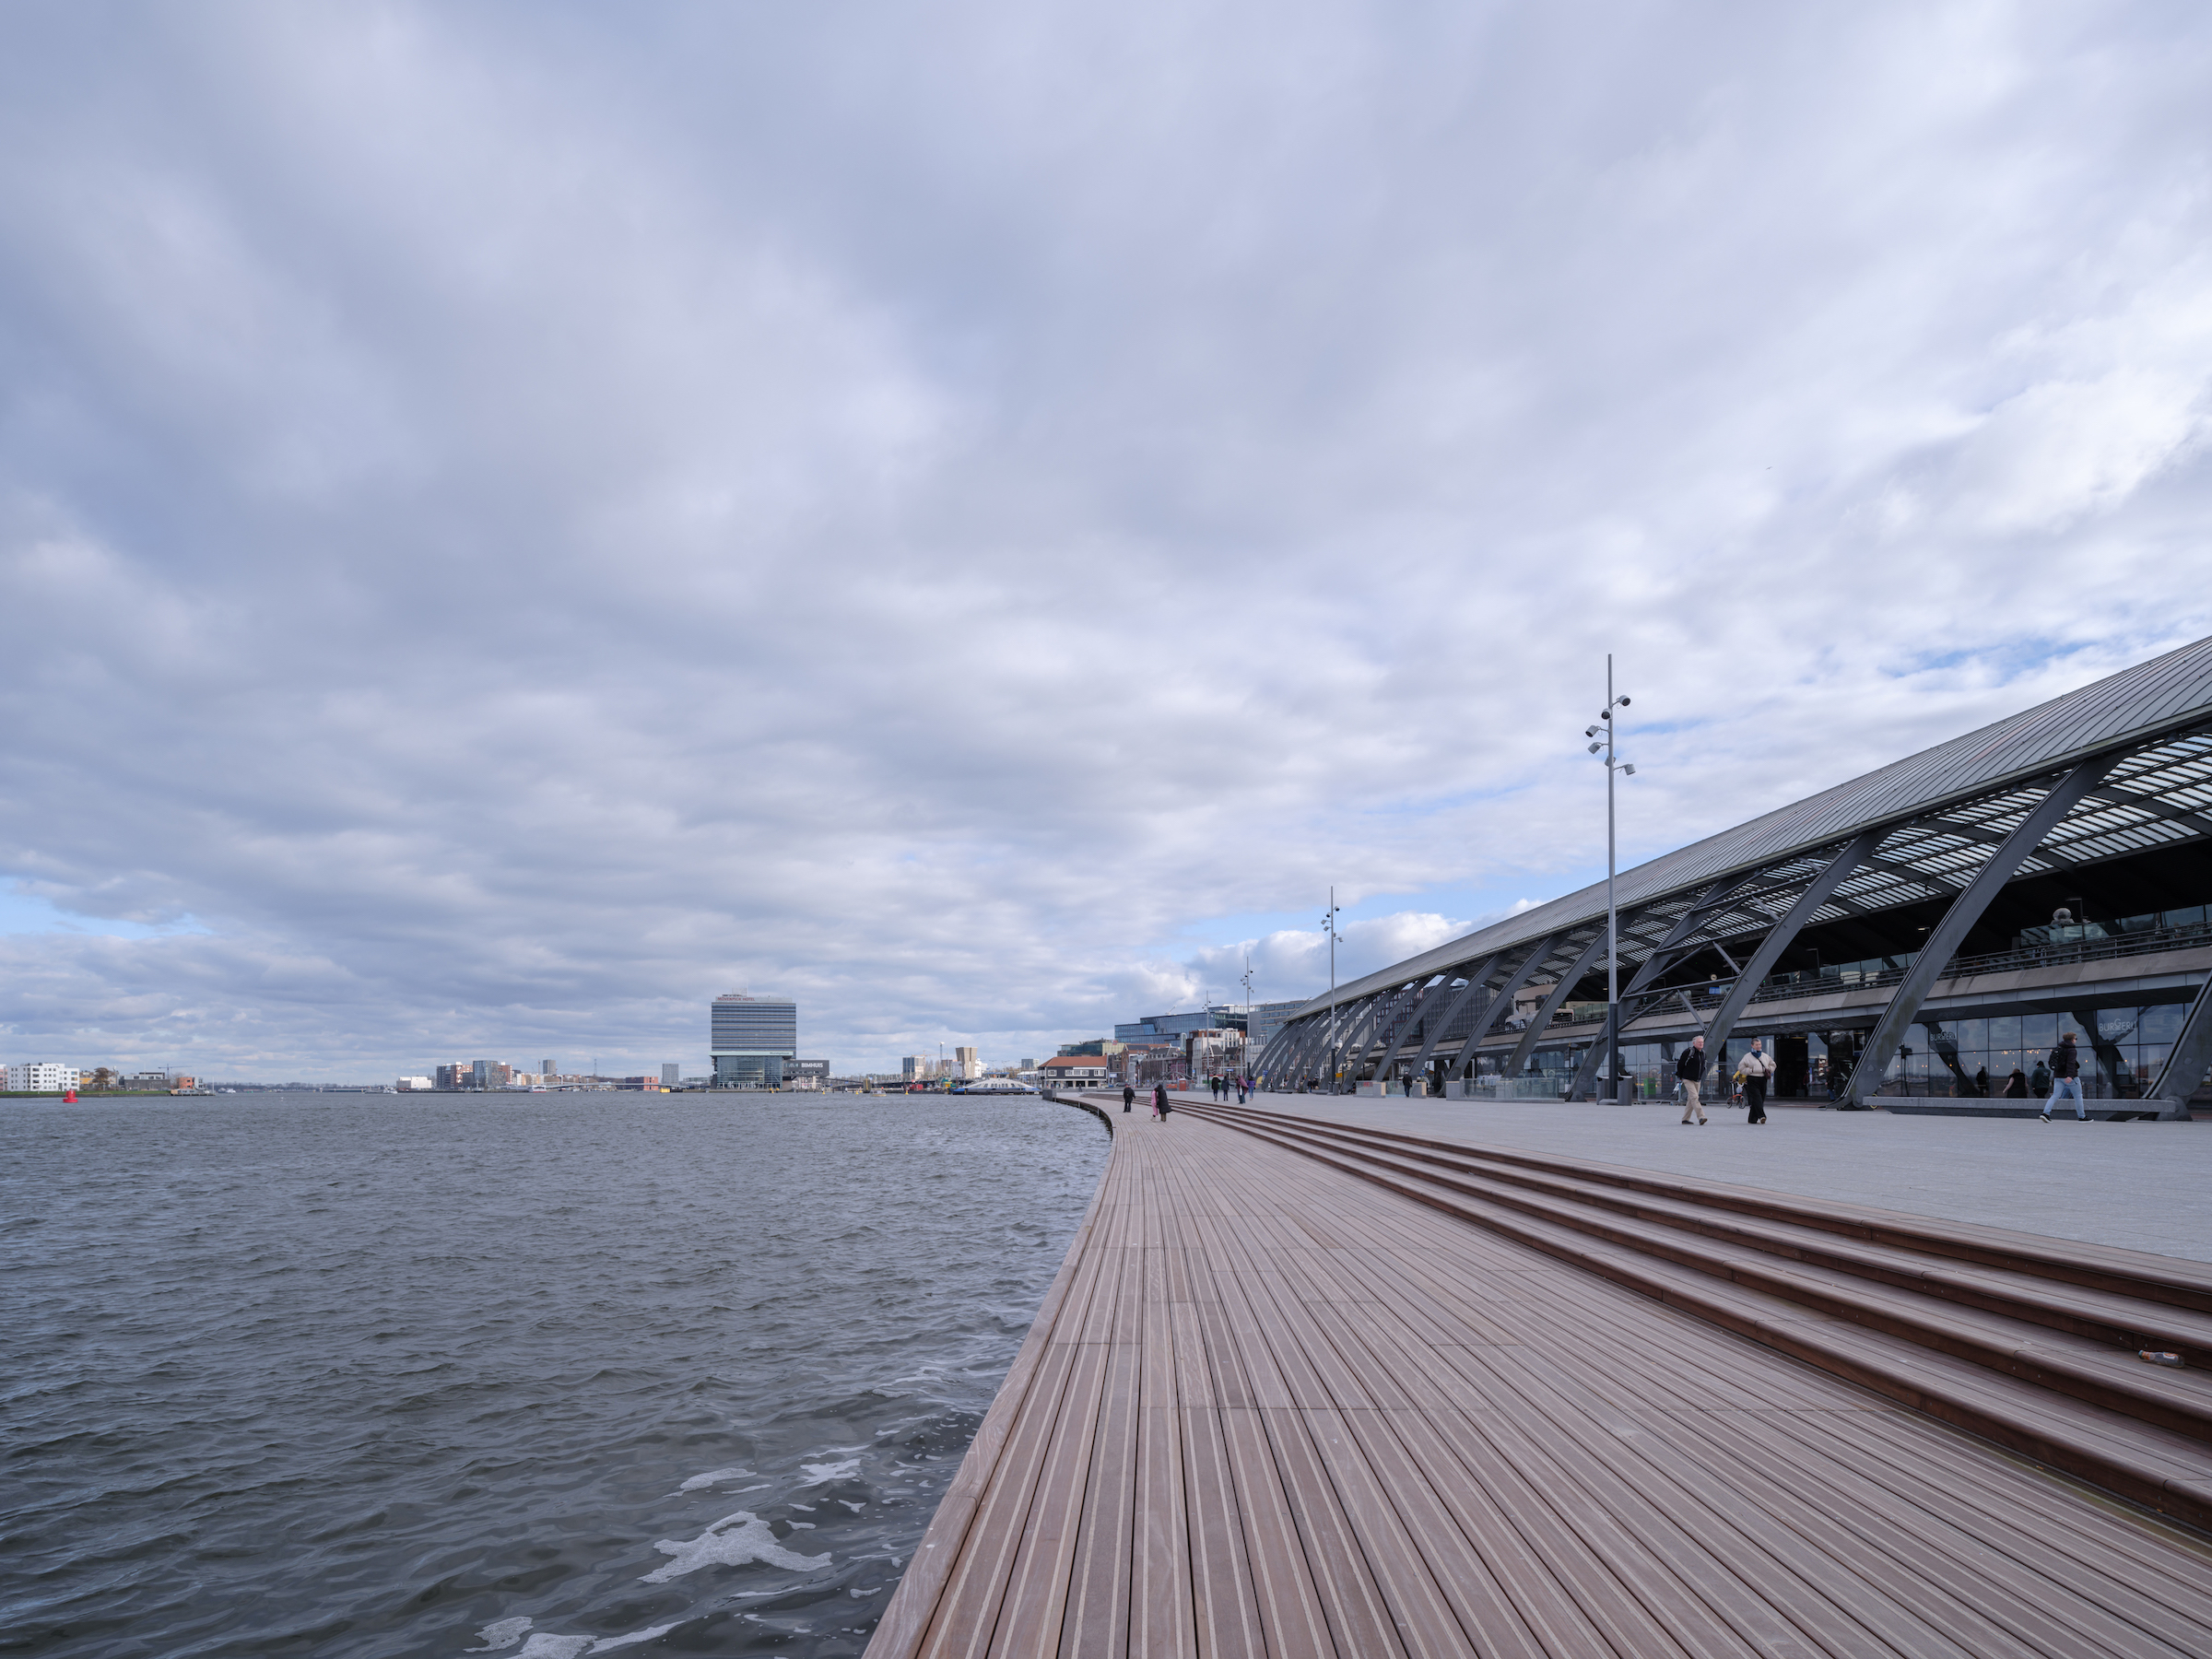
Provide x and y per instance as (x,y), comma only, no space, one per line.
(752,1039)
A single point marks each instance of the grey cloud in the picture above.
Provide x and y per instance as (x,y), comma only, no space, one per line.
(519,520)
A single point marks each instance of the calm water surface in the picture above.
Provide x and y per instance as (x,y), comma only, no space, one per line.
(537,1375)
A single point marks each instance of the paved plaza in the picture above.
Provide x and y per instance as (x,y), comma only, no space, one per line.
(2140,1186)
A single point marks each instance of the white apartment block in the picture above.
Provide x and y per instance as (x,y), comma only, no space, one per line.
(41,1078)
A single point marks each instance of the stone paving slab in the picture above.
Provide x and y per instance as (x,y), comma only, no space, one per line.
(2140,1186)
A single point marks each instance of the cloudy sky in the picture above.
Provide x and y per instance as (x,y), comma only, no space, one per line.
(517,518)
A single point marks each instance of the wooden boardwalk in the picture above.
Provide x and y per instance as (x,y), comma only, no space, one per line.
(1269,1408)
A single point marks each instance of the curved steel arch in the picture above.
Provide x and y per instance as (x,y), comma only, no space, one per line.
(1477,979)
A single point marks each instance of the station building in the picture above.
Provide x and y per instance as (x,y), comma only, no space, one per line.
(1918,937)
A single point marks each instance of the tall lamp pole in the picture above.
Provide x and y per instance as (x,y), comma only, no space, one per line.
(1607,734)
(1246,977)
(1328,921)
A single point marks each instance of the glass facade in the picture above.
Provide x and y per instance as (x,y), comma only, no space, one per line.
(1969,1057)
(2122,1050)
(749,1071)
(754,1039)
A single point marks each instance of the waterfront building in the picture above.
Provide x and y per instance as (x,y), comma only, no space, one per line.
(1072,1071)
(1160,1027)
(413,1085)
(672,1072)
(1925,933)
(43,1076)
(915,1069)
(1105,1047)
(752,1039)
(966,1064)
(489,1074)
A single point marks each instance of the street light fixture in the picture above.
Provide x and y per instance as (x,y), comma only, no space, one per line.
(1608,733)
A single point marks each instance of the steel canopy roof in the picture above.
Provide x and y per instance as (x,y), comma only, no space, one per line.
(2164,696)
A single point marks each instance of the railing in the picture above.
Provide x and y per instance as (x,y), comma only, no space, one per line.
(1709,993)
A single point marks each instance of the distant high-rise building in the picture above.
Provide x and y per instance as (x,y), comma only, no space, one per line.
(671,1073)
(544,1068)
(752,1039)
(915,1067)
(965,1063)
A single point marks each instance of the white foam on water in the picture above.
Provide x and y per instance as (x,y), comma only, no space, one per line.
(821,1473)
(499,1633)
(712,1478)
(607,1644)
(731,1542)
(545,1646)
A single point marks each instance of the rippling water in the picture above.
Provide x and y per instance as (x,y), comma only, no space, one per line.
(539,1375)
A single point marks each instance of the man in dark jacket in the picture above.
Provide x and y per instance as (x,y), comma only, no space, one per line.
(1689,1070)
(2065,1079)
(1128,1095)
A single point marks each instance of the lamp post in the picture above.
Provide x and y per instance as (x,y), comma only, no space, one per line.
(1246,977)
(1606,737)
(1328,922)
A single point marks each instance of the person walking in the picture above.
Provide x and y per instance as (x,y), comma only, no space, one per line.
(2065,1079)
(2016,1086)
(1689,1070)
(1160,1102)
(1128,1095)
(1752,1071)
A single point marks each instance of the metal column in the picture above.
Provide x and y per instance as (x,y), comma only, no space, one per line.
(1413,1019)
(1259,1067)
(2184,1067)
(1817,893)
(1966,909)
(1503,1003)
(1530,1038)
(1452,1009)
(1371,1016)
(1654,965)
(1302,1051)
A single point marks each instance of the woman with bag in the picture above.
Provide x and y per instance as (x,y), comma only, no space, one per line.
(1752,1071)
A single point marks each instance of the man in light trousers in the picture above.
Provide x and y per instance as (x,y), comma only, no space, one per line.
(1689,1070)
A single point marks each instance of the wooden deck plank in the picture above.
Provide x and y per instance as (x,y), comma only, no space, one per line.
(1162,1574)
(1099,1589)
(1039,1578)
